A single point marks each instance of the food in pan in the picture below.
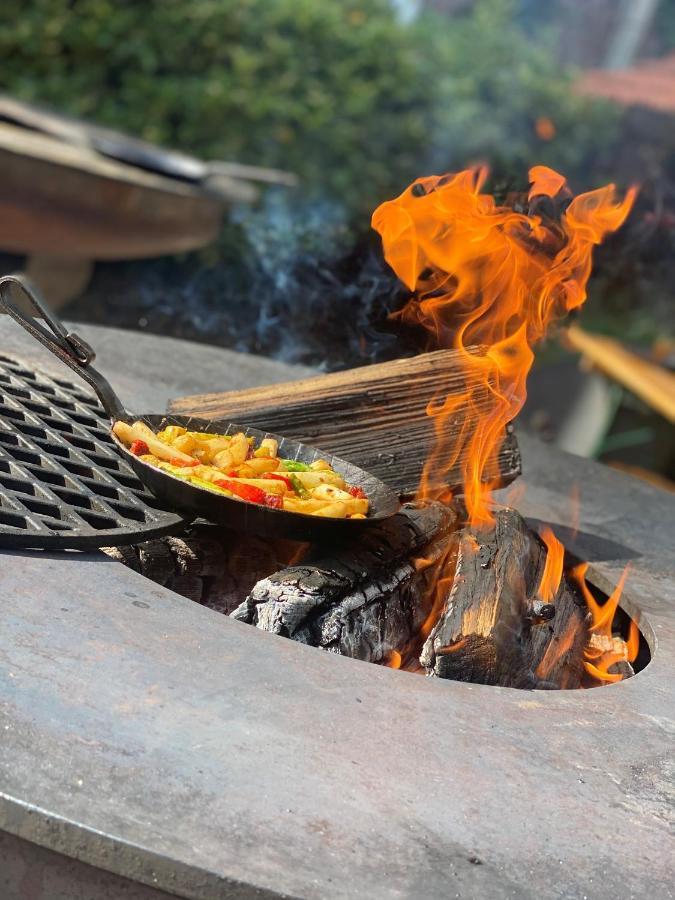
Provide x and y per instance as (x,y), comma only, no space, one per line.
(233,466)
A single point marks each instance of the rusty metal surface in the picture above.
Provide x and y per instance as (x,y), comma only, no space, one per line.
(148,736)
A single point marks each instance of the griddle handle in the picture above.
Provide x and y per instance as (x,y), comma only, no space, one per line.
(70,349)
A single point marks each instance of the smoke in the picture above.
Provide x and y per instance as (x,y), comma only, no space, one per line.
(293,280)
(289,280)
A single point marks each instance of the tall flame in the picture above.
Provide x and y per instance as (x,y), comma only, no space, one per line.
(488,276)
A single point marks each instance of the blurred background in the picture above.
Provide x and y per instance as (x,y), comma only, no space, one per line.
(141,210)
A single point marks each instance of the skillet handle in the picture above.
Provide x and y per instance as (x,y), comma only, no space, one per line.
(69,348)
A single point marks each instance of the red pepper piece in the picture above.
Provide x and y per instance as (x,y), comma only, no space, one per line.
(357,492)
(139,448)
(251,493)
(274,477)
(182,464)
(246,491)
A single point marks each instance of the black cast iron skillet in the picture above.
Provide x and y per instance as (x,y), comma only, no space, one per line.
(186,498)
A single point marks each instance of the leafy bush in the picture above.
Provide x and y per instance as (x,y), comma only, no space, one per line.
(341,91)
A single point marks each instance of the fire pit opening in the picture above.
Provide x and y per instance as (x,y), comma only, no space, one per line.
(426,592)
(618,670)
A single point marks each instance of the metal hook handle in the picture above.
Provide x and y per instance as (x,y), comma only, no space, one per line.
(68,347)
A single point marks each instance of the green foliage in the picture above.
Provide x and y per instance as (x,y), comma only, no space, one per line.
(340,91)
(497,85)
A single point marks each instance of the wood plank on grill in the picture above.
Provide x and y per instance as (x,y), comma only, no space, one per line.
(374,416)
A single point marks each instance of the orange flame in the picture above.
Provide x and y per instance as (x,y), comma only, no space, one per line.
(488,276)
(603,649)
(439,574)
(441,588)
(553,567)
(452,648)
(393,659)
(555,650)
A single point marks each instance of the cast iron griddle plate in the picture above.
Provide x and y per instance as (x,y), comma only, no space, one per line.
(63,484)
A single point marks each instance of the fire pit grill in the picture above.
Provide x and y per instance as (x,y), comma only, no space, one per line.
(307,774)
(62,482)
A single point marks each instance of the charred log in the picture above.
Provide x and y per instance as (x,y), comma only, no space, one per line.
(209,564)
(493,629)
(365,600)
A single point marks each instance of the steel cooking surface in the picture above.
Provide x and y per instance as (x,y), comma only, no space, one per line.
(62,482)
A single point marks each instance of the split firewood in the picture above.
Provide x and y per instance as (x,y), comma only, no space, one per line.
(367,599)
(374,416)
(494,629)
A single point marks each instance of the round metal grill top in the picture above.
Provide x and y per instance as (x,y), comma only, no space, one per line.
(62,481)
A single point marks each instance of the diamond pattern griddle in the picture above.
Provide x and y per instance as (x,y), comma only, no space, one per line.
(63,483)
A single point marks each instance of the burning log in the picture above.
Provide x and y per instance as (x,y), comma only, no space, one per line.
(510,616)
(365,601)
(374,416)
(494,629)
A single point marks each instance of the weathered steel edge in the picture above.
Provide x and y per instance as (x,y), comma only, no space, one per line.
(132,861)
(644,706)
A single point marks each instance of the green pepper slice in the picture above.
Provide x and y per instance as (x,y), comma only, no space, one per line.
(292,465)
(298,487)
